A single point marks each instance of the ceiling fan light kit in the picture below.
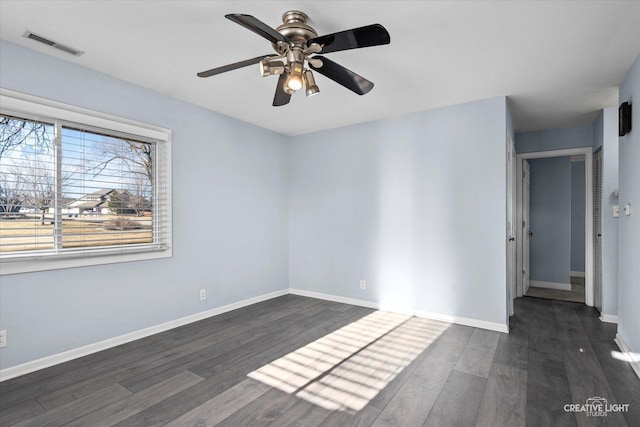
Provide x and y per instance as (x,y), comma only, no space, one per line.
(297,44)
(310,84)
(271,68)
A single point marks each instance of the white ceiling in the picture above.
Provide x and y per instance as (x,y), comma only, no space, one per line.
(558,62)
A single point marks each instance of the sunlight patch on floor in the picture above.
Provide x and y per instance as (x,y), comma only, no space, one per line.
(347,368)
(626,356)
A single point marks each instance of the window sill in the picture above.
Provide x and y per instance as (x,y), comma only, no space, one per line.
(36,263)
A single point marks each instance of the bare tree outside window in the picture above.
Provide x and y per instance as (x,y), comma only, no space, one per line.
(106,184)
(135,156)
(40,185)
(14,132)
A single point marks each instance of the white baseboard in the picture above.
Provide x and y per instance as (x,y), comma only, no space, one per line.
(45,362)
(631,357)
(550,285)
(335,298)
(577,274)
(492,326)
(608,318)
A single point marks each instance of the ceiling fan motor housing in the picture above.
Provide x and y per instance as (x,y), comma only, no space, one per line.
(295,27)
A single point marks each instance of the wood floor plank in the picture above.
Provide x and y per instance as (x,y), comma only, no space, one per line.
(455,335)
(505,397)
(122,409)
(366,368)
(177,405)
(262,411)
(409,407)
(256,343)
(458,402)
(302,414)
(544,340)
(82,388)
(620,375)
(223,405)
(259,352)
(226,341)
(547,393)
(580,359)
(597,330)
(64,414)
(477,356)
(434,370)
(363,418)
(512,350)
(16,413)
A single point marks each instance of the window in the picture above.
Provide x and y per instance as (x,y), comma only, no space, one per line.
(79,188)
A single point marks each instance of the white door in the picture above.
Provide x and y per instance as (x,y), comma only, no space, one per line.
(511,229)
(526,230)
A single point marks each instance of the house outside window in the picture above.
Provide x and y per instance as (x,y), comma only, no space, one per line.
(79,187)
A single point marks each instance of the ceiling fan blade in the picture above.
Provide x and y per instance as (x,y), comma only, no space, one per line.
(343,76)
(370,35)
(281,97)
(233,66)
(258,27)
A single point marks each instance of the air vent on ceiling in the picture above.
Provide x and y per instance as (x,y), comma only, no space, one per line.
(72,51)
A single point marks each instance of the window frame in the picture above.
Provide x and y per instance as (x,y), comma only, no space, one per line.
(15,103)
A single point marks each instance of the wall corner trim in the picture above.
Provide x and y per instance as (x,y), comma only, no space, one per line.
(608,318)
(65,356)
(632,358)
(492,326)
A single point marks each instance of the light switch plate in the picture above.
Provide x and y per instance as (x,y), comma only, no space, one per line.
(627,209)
(616,211)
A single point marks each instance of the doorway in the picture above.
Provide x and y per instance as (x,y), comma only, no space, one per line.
(557,208)
(524,231)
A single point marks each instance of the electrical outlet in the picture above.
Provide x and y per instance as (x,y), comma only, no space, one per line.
(363,284)
(3,339)
(616,211)
(203,294)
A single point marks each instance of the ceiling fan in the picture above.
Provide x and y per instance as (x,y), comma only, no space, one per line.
(296,43)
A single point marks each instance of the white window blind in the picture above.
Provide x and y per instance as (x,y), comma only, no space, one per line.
(74,190)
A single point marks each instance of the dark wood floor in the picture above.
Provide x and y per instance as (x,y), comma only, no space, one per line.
(576,294)
(374,370)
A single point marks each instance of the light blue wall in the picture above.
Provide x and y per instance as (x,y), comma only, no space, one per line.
(629,226)
(605,135)
(577,216)
(598,131)
(230,221)
(610,184)
(554,139)
(550,219)
(413,205)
